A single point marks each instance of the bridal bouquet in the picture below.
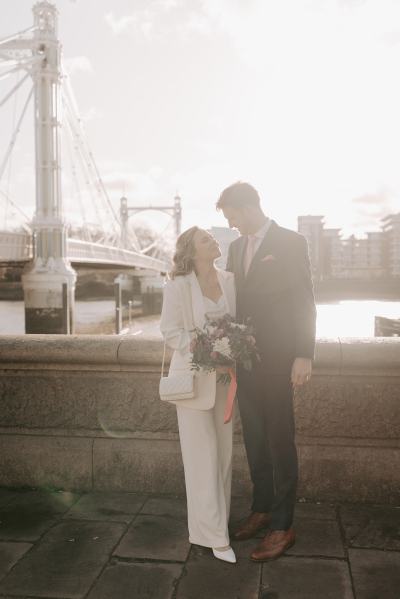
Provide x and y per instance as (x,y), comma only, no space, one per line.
(223,342)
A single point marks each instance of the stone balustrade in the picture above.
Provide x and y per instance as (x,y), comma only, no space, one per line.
(82,413)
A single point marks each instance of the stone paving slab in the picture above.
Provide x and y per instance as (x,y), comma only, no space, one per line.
(376,574)
(137,581)
(66,561)
(372,527)
(315,511)
(306,578)
(121,507)
(6,496)
(31,513)
(133,546)
(155,538)
(174,507)
(207,577)
(56,502)
(317,538)
(10,553)
(22,597)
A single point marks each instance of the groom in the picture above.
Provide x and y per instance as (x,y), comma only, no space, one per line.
(274,289)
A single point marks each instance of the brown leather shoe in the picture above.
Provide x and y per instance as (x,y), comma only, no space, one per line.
(273,545)
(250,527)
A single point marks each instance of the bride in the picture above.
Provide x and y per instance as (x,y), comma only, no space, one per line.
(206,442)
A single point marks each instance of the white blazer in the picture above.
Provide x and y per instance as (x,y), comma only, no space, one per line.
(175,323)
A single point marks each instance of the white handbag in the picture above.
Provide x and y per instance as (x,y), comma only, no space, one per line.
(179,384)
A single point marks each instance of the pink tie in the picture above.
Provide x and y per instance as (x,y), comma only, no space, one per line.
(251,241)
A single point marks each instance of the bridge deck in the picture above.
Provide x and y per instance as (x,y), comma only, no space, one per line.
(17,247)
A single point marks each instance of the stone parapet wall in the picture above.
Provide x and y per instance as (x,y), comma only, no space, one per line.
(82,413)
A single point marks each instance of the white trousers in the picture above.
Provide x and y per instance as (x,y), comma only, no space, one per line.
(206,444)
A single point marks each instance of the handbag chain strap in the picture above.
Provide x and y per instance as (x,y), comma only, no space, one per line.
(163,359)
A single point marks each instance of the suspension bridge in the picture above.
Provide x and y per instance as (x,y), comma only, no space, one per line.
(33,56)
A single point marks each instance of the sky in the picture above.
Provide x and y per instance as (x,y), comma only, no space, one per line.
(301,98)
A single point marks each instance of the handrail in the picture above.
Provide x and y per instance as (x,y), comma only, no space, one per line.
(338,357)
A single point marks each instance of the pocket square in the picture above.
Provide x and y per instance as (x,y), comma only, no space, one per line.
(268,258)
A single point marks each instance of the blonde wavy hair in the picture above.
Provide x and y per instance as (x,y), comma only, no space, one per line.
(184,254)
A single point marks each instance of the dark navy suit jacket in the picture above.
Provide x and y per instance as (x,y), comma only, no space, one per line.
(277,295)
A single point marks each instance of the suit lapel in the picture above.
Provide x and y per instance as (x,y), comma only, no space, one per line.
(228,290)
(240,260)
(197,301)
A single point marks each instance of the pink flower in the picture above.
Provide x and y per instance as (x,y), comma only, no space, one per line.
(214,355)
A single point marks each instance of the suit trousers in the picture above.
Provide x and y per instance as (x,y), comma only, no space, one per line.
(206,444)
(266,411)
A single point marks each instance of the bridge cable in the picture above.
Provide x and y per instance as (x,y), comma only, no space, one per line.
(10,161)
(85,173)
(71,103)
(86,157)
(8,199)
(69,142)
(86,176)
(9,72)
(17,64)
(87,167)
(17,35)
(14,89)
(14,137)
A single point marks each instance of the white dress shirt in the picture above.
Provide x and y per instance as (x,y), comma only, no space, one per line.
(253,243)
(260,234)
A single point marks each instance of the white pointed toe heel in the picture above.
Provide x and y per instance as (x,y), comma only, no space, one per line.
(227,556)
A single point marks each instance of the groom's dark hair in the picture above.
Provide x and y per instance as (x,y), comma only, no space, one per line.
(238,195)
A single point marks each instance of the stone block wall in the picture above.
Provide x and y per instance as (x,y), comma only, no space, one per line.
(83,413)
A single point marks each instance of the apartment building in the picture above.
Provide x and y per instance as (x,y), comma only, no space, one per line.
(391,230)
(374,256)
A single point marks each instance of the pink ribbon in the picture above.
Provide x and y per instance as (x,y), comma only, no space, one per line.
(231,397)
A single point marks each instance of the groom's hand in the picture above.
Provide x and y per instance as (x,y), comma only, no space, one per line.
(301,371)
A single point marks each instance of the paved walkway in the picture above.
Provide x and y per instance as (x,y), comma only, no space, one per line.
(62,545)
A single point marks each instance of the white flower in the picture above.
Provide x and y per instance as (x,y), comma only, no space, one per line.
(235,325)
(223,347)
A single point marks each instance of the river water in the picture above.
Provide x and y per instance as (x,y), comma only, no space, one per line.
(341,319)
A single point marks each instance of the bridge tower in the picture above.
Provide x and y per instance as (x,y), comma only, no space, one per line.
(175,211)
(50,270)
